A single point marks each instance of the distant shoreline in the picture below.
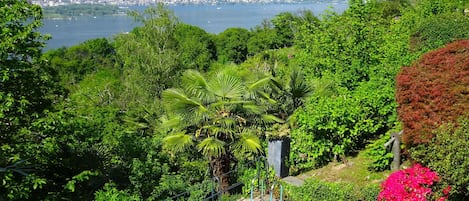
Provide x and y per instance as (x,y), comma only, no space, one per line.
(71,17)
(203,3)
(64,12)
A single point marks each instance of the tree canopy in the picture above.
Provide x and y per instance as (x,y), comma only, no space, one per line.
(157,113)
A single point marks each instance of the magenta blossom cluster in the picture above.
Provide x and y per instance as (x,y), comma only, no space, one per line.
(412,184)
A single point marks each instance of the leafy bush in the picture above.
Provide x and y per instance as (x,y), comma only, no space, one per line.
(433,91)
(380,156)
(195,46)
(369,192)
(346,45)
(436,31)
(338,125)
(448,155)
(231,45)
(325,191)
(111,193)
(413,183)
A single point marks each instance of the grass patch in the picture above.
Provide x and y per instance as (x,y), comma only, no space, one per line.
(354,171)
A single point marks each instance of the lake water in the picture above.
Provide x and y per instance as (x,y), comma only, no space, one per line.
(212,18)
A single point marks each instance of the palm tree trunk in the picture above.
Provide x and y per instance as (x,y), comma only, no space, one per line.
(220,166)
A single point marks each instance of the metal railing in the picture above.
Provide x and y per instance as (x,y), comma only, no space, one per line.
(272,190)
(216,191)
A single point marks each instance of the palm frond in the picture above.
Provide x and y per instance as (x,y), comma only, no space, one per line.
(298,86)
(211,147)
(266,97)
(257,89)
(168,124)
(259,84)
(178,102)
(196,85)
(226,122)
(178,142)
(248,143)
(226,86)
(268,118)
(254,109)
(213,130)
(134,123)
(277,85)
(222,103)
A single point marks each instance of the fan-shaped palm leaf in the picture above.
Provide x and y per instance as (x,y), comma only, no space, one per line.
(169,124)
(180,103)
(248,143)
(195,84)
(216,131)
(226,86)
(211,147)
(268,118)
(178,142)
(226,122)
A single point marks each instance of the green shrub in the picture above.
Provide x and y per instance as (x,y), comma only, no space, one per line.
(380,157)
(111,193)
(436,31)
(338,125)
(369,193)
(326,191)
(448,155)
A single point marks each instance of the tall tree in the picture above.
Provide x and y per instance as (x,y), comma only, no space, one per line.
(232,45)
(27,89)
(218,113)
(25,85)
(149,56)
(195,46)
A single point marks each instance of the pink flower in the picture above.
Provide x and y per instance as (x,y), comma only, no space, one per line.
(447,190)
(412,184)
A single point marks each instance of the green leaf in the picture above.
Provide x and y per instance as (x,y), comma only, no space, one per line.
(254,109)
(226,86)
(178,142)
(261,83)
(268,118)
(70,185)
(248,143)
(211,147)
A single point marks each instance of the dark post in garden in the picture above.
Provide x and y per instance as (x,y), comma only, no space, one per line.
(278,152)
(396,149)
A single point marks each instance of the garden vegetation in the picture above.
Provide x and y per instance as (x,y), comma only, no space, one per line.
(156,113)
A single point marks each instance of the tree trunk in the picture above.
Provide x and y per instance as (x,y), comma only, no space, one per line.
(220,168)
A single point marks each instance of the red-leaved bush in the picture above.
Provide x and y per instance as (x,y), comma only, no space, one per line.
(433,91)
(412,184)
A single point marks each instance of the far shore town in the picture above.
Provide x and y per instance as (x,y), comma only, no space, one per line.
(46,3)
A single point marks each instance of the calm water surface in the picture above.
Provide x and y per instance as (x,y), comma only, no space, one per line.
(212,18)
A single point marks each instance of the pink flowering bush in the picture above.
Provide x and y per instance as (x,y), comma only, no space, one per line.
(412,184)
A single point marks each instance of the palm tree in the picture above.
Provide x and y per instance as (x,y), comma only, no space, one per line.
(290,94)
(220,115)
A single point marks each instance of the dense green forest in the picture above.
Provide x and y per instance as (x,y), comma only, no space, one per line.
(159,112)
